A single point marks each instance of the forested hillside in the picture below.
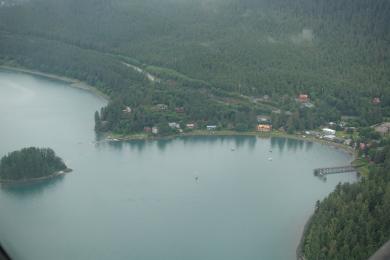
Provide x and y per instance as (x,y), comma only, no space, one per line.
(254,47)
(353,222)
(223,62)
(335,51)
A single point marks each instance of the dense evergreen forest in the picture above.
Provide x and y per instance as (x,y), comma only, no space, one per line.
(211,57)
(353,222)
(30,163)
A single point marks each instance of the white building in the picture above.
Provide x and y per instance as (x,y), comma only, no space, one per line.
(127,110)
(211,127)
(174,125)
(328,131)
(190,126)
(155,130)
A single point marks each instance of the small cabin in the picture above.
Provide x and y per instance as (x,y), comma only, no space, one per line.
(147,129)
(190,126)
(303,98)
(376,100)
(127,110)
(161,107)
(179,110)
(174,125)
(264,128)
(263,118)
(155,130)
(211,127)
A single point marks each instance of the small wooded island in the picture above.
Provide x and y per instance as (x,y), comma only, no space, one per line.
(31,164)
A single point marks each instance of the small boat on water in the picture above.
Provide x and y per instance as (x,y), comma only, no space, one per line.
(269,158)
(233,149)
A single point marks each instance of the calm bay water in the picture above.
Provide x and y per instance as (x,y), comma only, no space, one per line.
(139,200)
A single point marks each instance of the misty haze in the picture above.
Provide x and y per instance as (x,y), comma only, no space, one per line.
(194,129)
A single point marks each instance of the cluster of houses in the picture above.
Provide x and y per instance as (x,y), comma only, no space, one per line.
(328,134)
(191,126)
(264,123)
(173,125)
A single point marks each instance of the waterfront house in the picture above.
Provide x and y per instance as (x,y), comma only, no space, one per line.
(147,129)
(329,137)
(264,128)
(211,127)
(190,126)
(328,131)
(155,130)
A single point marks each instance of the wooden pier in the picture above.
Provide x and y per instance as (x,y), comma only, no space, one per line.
(333,170)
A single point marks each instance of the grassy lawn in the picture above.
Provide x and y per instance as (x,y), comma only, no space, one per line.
(362,165)
(343,134)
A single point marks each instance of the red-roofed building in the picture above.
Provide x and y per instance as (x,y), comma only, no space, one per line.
(303,98)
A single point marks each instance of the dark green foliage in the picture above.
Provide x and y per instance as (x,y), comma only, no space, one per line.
(353,222)
(335,51)
(98,123)
(30,163)
(211,58)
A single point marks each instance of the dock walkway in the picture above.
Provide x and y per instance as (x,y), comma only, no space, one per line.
(333,170)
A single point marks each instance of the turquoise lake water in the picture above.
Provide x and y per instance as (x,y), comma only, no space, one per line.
(140,200)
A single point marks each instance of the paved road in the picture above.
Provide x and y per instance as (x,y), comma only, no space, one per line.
(383,253)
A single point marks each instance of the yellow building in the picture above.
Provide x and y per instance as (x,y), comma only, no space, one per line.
(264,128)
